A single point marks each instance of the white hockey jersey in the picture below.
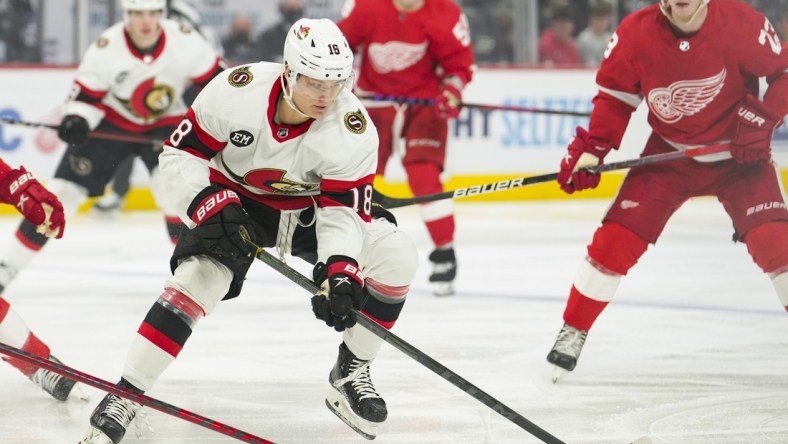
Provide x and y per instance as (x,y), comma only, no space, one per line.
(229,137)
(138,92)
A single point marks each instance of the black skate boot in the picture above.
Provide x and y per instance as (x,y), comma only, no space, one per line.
(352,396)
(566,349)
(444,270)
(57,386)
(111,418)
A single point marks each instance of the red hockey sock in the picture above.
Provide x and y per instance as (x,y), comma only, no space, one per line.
(582,311)
(34,346)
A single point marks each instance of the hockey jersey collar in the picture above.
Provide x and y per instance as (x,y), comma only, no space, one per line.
(146,57)
(279,131)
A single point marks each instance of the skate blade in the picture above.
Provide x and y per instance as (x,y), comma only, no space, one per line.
(337,404)
(95,436)
(557,373)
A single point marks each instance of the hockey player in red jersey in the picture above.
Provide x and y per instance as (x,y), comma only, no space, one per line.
(129,81)
(697,64)
(277,156)
(417,49)
(43,211)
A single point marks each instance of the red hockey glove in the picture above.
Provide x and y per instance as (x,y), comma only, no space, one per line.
(222,223)
(582,154)
(341,290)
(449,100)
(754,126)
(37,204)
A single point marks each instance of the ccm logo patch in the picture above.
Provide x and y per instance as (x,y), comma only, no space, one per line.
(355,122)
(241,138)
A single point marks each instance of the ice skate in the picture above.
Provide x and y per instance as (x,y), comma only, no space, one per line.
(444,270)
(56,385)
(111,418)
(109,203)
(566,350)
(352,396)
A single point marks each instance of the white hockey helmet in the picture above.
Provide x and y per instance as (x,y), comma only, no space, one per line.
(317,48)
(145,5)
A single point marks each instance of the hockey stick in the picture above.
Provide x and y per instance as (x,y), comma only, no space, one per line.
(93,134)
(396,202)
(519,109)
(76,375)
(419,356)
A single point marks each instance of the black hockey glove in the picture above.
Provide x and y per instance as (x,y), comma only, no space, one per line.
(73,130)
(220,221)
(341,290)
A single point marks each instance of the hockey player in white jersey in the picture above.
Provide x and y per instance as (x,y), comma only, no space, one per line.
(277,156)
(129,81)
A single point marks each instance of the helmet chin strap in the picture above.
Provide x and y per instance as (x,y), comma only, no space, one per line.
(666,10)
(287,89)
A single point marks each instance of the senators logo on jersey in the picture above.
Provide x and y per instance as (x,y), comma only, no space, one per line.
(356,122)
(240,77)
(149,100)
(273,181)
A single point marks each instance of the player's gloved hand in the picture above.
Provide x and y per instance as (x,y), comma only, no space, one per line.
(37,204)
(752,139)
(341,290)
(73,130)
(449,100)
(582,153)
(222,223)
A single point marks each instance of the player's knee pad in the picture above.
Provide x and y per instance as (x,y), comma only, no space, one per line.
(203,279)
(388,255)
(768,246)
(616,248)
(70,194)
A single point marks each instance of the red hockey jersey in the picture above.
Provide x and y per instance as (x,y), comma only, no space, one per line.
(690,83)
(401,51)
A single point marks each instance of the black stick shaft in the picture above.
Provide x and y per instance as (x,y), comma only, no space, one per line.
(486,107)
(419,356)
(504,185)
(93,134)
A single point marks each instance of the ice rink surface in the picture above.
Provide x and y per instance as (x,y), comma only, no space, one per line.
(693,350)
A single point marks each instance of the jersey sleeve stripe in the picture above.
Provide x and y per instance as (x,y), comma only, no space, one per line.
(632,100)
(87,94)
(205,142)
(335,185)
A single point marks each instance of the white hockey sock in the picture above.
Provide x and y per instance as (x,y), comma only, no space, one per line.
(363,343)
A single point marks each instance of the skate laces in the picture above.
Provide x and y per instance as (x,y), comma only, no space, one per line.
(358,376)
(46,379)
(570,341)
(123,411)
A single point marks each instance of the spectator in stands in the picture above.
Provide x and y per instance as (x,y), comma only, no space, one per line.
(239,47)
(272,40)
(556,45)
(593,40)
(16,19)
